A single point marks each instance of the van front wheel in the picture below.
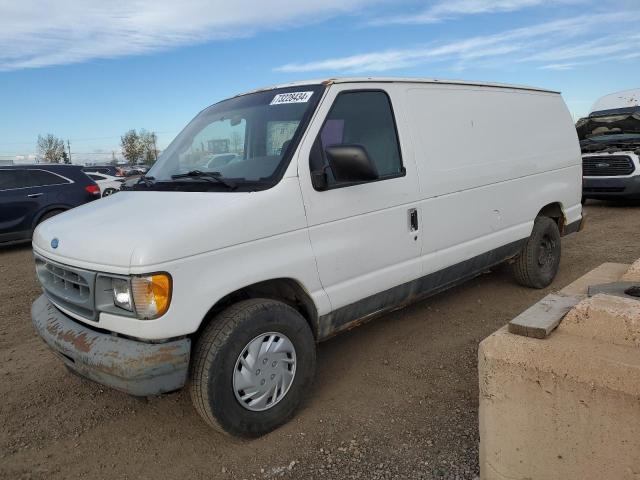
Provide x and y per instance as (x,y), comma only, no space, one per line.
(537,264)
(252,366)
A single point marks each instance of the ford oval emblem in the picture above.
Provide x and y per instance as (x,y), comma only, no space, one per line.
(54,243)
(602,165)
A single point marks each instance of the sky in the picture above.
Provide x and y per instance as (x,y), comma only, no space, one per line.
(89,71)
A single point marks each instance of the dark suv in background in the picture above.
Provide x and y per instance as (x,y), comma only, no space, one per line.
(29,194)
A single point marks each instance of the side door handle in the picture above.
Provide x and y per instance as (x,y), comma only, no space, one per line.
(34,195)
(413,220)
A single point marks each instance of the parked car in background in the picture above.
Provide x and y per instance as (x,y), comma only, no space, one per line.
(131,170)
(130,182)
(348,198)
(610,143)
(30,194)
(108,184)
(112,170)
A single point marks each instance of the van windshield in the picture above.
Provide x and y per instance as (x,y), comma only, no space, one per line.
(247,140)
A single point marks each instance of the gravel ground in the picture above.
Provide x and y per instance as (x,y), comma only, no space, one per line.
(396,398)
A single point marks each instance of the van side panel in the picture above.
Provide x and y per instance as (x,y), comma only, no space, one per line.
(470,137)
(489,160)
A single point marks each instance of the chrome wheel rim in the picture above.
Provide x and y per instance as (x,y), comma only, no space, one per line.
(264,371)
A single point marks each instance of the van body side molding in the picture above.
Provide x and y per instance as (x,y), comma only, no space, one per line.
(395,298)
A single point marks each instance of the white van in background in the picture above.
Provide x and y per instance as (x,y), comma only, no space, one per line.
(610,142)
(343,199)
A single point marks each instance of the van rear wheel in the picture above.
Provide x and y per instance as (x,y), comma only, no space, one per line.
(537,264)
(252,366)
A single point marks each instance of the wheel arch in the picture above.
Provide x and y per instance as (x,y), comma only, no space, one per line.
(555,211)
(286,290)
(49,208)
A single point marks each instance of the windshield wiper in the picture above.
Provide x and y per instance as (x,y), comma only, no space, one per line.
(148,181)
(209,176)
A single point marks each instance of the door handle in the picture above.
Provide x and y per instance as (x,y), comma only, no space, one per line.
(413,220)
(34,195)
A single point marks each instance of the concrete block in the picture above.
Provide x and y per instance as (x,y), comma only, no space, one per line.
(605,273)
(605,318)
(568,406)
(633,274)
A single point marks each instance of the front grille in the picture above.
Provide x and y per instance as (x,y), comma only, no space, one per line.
(69,287)
(607,166)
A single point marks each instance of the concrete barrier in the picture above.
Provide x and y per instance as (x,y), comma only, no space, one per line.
(566,406)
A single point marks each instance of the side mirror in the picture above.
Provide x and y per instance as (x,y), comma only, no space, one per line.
(351,163)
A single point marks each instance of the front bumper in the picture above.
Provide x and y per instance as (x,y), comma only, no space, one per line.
(611,187)
(131,366)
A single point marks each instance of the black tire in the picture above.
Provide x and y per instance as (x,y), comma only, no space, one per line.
(109,191)
(48,215)
(537,264)
(214,362)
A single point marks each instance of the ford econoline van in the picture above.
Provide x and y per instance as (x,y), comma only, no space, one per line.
(283,216)
(610,142)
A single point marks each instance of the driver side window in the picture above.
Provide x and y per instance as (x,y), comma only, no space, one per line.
(362,118)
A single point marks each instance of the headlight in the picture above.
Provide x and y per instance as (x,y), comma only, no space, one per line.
(122,293)
(151,295)
(143,296)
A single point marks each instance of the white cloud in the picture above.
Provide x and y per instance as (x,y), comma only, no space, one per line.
(446,9)
(600,48)
(37,33)
(535,43)
(560,66)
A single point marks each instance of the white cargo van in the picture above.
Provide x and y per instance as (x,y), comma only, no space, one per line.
(280,217)
(610,142)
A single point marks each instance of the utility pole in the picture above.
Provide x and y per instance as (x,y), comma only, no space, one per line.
(69,148)
(155,149)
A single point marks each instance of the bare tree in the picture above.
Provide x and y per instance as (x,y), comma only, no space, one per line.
(51,148)
(131,147)
(148,142)
(139,146)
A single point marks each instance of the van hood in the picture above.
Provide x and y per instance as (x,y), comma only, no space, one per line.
(610,129)
(137,229)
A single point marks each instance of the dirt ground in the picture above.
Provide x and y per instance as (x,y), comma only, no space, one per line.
(396,398)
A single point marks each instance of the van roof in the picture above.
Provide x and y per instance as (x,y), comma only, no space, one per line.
(328,81)
(616,100)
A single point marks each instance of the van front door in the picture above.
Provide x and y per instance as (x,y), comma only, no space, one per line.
(365,235)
